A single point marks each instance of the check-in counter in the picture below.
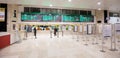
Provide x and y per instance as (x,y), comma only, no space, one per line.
(4,39)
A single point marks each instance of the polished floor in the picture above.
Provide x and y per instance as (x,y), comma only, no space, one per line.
(69,45)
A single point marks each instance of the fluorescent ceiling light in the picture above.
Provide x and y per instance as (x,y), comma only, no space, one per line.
(69,0)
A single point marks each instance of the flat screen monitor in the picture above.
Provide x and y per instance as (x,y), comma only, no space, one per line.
(2,14)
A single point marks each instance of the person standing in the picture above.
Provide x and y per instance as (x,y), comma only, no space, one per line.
(55,31)
(26,30)
(35,31)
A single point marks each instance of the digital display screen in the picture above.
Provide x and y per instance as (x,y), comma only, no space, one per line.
(2,14)
(37,17)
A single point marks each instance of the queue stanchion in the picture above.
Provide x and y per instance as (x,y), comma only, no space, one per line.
(50,34)
(102,50)
(62,33)
(57,34)
(17,36)
(25,35)
(107,32)
(113,45)
(93,40)
(96,40)
(115,48)
(118,40)
(86,41)
(111,48)
(113,40)
(83,37)
(72,34)
(77,36)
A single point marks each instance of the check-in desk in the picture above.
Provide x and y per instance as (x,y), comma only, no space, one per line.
(4,39)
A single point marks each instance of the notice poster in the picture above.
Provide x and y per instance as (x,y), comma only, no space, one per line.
(2,14)
(107,30)
(117,28)
(114,20)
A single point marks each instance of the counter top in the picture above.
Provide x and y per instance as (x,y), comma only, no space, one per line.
(4,33)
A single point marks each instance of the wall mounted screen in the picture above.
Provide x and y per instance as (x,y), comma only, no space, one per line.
(55,15)
(2,14)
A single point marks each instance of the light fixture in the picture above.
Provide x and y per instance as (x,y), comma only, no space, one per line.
(69,0)
(50,5)
(99,3)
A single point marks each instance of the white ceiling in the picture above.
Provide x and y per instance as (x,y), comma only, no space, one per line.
(113,5)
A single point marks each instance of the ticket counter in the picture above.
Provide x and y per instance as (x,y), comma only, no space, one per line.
(4,39)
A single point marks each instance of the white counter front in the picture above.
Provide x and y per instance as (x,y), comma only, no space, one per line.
(4,33)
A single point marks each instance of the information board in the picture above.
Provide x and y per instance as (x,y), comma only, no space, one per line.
(117,28)
(107,30)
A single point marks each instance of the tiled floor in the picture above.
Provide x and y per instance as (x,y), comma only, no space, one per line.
(68,46)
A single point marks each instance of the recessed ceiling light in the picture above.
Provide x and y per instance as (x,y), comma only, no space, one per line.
(69,0)
(99,3)
(50,5)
